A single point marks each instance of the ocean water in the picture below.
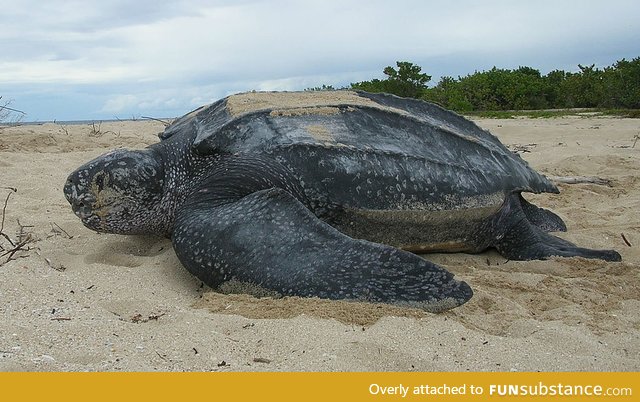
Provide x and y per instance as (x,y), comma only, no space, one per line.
(79,122)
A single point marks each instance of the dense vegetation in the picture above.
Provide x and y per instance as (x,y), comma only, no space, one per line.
(408,81)
(525,88)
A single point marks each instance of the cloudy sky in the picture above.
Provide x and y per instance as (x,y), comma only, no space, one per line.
(71,60)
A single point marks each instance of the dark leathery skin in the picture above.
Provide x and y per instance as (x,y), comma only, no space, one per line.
(300,200)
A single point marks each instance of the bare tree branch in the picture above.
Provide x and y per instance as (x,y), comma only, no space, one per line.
(9,114)
(11,109)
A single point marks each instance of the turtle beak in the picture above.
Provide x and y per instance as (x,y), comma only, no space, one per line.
(78,196)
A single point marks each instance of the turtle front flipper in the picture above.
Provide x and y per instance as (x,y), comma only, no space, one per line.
(271,239)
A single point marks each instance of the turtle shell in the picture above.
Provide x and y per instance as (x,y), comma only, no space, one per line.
(366,151)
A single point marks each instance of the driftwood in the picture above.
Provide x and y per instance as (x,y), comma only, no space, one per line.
(164,122)
(581,180)
(521,148)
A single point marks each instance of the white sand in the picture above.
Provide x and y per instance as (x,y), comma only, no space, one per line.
(125,303)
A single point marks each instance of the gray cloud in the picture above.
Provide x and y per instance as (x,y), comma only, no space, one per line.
(122,57)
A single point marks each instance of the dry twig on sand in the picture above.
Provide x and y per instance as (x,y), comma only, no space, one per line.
(4,212)
(96,131)
(24,238)
(56,230)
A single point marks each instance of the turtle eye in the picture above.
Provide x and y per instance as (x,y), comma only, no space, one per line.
(99,181)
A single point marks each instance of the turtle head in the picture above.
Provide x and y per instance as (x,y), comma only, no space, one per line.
(118,192)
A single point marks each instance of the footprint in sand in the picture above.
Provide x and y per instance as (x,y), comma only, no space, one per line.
(128,252)
(107,257)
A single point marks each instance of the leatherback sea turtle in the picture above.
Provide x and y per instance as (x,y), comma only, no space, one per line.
(325,194)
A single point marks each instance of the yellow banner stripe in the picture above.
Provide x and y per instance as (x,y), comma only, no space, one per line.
(324,387)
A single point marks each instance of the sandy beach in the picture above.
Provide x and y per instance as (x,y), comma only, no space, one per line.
(75,300)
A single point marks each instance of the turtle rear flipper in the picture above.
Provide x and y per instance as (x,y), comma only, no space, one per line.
(527,240)
(542,218)
(270,239)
